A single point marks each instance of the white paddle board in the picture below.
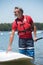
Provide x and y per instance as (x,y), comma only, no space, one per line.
(13,58)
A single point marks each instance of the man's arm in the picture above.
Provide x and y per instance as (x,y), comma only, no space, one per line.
(35,37)
(34,30)
(11,40)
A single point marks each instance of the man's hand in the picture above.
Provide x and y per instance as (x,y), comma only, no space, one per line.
(9,48)
(35,39)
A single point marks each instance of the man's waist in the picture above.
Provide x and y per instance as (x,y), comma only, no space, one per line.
(25,36)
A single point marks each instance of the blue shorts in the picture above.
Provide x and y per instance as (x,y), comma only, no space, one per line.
(26,46)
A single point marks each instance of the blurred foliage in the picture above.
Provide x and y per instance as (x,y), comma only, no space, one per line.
(5,26)
(39,26)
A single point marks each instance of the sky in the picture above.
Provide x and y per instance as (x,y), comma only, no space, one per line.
(33,8)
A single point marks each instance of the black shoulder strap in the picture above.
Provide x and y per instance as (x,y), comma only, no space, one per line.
(16,22)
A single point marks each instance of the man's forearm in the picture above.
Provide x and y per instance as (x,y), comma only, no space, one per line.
(11,38)
(34,31)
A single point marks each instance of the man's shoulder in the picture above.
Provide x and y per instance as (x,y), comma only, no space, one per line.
(28,16)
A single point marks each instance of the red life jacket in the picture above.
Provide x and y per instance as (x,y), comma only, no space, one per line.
(23,27)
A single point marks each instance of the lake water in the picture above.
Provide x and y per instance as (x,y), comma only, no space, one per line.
(4,40)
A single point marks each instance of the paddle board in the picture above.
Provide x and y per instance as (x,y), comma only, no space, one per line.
(13,58)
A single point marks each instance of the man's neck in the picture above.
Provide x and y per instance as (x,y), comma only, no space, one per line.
(20,16)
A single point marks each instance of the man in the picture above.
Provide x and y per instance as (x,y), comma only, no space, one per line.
(24,25)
